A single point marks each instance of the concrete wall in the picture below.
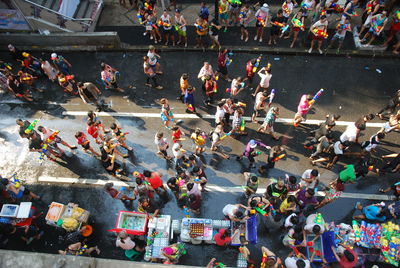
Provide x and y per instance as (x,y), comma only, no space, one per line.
(108,39)
(22,259)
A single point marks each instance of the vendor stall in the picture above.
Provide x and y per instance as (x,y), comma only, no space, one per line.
(18,215)
(196,230)
(247,231)
(134,223)
(158,237)
(70,217)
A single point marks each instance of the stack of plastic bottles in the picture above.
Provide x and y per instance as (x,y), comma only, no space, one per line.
(390,241)
(370,235)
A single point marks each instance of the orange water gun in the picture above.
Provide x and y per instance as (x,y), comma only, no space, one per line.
(147,6)
(323,12)
(263,260)
(52,136)
(161,23)
(279,24)
(262,21)
(279,157)
(215,87)
(320,33)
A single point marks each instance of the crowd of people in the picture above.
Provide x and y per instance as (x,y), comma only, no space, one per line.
(290,201)
(287,22)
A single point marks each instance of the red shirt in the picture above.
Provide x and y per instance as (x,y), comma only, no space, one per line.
(221,59)
(93,131)
(81,139)
(249,69)
(155,180)
(221,241)
(176,135)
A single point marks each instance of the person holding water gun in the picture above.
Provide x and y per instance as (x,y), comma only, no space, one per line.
(262,16)
(341,30)
(318,31)
(278,23)
(223,13)
(269,121)
(201,31)
(180,27)
(378,23)
(371,9)
(166,23)
(297,25)
(244,20)
(250,152)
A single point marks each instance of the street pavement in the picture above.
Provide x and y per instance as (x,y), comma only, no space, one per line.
(353,87)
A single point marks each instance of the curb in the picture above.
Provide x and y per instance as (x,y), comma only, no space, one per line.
(238,49)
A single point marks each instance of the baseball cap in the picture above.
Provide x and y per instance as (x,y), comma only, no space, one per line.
(253,144)
(53,56)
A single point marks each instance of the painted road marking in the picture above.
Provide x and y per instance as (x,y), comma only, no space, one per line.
(209,187)
(209,116)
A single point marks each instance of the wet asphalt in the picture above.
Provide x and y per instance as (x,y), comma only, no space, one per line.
(354,86)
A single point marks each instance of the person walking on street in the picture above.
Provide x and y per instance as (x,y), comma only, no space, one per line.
(151,75)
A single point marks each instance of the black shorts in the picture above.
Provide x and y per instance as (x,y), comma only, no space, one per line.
(223,70)
(274,31)
(86,146)
(166,31)
(243,26)
(26,191)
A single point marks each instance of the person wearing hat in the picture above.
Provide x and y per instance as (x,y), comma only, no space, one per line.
(269,121)
(262,16)
(302,109)
(250,153)
(61,63)
(181,27)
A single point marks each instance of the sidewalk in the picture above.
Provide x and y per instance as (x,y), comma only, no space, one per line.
(124,21)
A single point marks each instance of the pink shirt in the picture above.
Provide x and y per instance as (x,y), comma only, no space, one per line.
(304,106)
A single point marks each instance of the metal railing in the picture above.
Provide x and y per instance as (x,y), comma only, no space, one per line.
(62,19)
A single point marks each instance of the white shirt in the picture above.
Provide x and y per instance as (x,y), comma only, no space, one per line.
(290,8)
(287,220)
(166,19)
(48,133)
(310,224)
(265,77)
(152,58)
(258,100)
(128,243)
(320,25)
(229,210)
(204,72)
(290,262)
(219,114)
(336,148)
(307,175)
(161,143)
(350,134)
(176,151)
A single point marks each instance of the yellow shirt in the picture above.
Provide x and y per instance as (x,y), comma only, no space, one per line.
(184,83)
(285,205)
(198,139)
(203,30)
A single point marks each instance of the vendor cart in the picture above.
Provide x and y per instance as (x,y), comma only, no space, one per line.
(18,215)
(134,223)
(158,237)
(196,231)
(70,217)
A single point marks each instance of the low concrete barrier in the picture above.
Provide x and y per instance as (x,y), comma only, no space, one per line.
(98,39)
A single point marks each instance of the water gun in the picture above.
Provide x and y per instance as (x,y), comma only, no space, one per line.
(263,260)
(242,125)
(52,137)
(398,14)
(318,219)
(228,90)
(271,97)
(262,21)
(284,29)
(242,14)
(229,61)
(303,5)
(285,8)
(354,14)
(320,33)
(296,252)
(176,27)
(31,126)
(139,17)
(279,157)
(357,231)
(219,264)
(186,211)
(7,65)
(147,6)
(154,25)
(215,87)
(26,77)
(198,26)
(226,135)
(220,10)
(235,2)
(343,26)
(257,64)
(262,212)
(273,211)
(337,7)
(279,24)
(162,23)
(67,78)
(216,78)
(83,249)
(323,12)
(43,152)
(297,23)
(316,96)
(369,8)
(241,104)
(190,108)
